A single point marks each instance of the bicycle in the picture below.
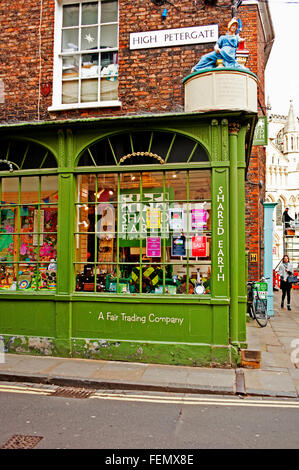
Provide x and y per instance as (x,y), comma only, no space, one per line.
(257,301)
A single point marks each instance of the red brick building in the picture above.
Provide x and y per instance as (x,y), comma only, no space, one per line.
(36,42)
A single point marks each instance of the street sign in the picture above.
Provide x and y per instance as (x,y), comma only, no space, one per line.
(261,131)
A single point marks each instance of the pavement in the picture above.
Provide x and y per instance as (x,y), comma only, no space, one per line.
(277,376)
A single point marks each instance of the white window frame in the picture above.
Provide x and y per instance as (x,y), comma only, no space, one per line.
(57,104)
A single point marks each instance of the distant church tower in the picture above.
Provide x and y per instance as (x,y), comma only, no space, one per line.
(291,139)
(282,179)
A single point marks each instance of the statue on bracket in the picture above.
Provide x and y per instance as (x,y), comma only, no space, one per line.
(224,50)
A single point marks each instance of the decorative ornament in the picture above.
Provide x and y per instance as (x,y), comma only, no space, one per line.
(45,88)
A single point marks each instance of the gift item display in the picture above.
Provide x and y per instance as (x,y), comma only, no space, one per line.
(28,233)
(144,232)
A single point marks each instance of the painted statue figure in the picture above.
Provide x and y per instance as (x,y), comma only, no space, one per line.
(224,49)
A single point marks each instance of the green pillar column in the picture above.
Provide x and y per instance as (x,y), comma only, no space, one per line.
(64,246)
(234,231)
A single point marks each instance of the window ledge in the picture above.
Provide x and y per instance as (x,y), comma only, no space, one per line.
(102,104)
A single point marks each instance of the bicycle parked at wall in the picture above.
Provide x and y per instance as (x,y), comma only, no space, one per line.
(257,301)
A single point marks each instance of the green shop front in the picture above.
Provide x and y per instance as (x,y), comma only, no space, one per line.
(124,238)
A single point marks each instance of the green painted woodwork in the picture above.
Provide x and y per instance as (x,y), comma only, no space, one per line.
(209,329)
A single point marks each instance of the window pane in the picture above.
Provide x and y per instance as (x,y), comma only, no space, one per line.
(200,217)
(199,184)
(49,219)
(70,40)
(90,64)
(70,92)
(176,184)
(7,276)
(70,15)
(108,11)
(70,67)
(199,276)
(10,190)
(86,188)
(109,89)
(49,189)
(90,13)
(89,38)
(29,189)
(48,249)
(108,36)
(89,90)
(109,63)
(8,242)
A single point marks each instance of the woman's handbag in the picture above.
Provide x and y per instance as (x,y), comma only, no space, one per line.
(291,279)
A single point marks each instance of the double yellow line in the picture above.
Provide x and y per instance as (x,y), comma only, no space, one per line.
(203,401)
(163,399)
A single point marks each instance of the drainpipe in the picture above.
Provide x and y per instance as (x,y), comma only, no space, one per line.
(268,252)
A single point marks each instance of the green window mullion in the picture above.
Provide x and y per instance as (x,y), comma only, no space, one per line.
(131,142)
(95,238)
(150,142)
(44,159)
(170,147)
(112,150)
(163,228)
(187,286)
(91,156)
(192,152)
(140,235)
(117,234)
(25,155)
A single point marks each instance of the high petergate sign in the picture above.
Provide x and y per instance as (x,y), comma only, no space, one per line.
(174,37)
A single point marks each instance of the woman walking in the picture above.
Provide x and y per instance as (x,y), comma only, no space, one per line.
(285,269)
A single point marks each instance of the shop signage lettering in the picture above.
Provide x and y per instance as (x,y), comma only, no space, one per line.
(174,37)
(220,233)
(137,218)
(152,318)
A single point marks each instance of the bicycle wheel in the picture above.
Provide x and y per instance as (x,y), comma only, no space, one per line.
(260,312)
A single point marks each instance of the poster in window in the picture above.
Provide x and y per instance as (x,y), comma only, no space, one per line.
(176,221)
(199,219)
(153,218)
(153,247)
(199,246)
(178,245)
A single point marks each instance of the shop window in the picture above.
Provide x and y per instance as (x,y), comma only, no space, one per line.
(142,148)
(28,218)
(144,232)
(86,63)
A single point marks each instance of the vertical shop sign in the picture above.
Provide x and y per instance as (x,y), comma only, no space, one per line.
(220,234)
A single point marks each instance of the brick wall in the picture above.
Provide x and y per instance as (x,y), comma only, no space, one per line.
(150,80)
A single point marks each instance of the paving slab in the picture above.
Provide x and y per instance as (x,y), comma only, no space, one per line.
(277,384)
(216,380)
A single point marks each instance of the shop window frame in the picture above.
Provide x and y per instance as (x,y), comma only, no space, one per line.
(57,104)
(17,171)
(188,261)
